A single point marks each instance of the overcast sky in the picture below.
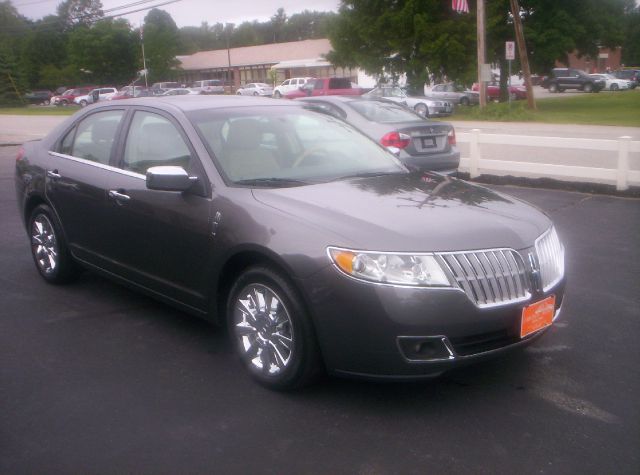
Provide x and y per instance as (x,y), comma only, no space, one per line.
(193,12)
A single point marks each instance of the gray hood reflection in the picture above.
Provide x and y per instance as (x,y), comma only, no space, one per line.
(412,212)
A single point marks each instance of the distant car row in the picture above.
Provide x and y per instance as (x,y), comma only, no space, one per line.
(439,100)
(562,79)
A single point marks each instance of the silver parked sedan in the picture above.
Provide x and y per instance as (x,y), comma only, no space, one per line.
(255,89)
(421,144)
(423,106)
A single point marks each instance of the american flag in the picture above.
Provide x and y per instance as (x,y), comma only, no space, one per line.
(460,6)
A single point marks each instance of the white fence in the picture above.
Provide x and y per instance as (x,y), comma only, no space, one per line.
(620,175)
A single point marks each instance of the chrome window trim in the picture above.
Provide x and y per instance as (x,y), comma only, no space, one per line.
(98,165)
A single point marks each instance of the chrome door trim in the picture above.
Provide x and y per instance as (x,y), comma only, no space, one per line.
(102,166)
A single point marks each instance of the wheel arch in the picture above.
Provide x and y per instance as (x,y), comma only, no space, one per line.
(236,263)
(30,204)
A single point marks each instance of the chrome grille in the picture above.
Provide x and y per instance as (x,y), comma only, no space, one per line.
(490,277)
(550,258)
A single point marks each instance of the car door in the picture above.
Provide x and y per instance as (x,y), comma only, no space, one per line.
(159,239)
(76,180)
(437,92)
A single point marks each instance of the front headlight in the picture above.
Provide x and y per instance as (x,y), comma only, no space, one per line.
(419,270)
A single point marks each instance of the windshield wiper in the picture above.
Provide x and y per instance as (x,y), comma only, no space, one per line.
(271,181)
(368,174)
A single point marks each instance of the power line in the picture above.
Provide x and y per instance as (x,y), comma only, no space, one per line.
(52,25)
(32,3)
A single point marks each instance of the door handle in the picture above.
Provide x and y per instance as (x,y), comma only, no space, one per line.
(117,196)
(53,174)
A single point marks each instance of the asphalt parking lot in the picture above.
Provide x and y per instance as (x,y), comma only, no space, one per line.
(97,379)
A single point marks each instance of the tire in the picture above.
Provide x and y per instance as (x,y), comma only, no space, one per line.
(83,103)
(49,248)
(255,93)
(422,110)
(553,87)
(277,347)
(65,102)
(614,87)
(277,95)
(238,93)
(588,87)
(464,101)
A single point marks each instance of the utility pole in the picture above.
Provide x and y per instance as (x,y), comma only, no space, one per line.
(481,53)
(522,50)
(144,59)
(229,63)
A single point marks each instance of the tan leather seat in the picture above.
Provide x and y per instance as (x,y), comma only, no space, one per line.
(243,157)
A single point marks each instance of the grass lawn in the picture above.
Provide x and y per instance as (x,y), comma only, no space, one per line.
(38,110)
(605,108)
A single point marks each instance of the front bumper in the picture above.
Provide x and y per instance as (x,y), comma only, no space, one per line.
(368,330)
(440,111)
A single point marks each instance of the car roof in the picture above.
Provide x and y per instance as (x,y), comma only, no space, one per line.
(195,102)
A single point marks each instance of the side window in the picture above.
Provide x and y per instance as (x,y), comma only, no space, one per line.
(95,135)
(67,142)
(287,82)
(154,141)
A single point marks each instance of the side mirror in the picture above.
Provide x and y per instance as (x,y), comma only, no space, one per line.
(169,178)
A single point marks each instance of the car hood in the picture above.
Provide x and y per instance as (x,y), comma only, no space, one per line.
(411,212)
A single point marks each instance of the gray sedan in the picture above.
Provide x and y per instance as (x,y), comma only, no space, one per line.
(454,93)
(419,143)
(423,106)
(315,246)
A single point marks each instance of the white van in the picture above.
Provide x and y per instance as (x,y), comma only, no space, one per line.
(209,86)
(289,85)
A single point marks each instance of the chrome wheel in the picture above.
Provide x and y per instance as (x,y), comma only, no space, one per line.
(44,244)
(422,110)
(263,329)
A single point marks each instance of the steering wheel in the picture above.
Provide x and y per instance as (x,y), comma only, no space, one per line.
(306,154)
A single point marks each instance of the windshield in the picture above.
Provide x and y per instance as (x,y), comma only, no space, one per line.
(274,145)
(383,112)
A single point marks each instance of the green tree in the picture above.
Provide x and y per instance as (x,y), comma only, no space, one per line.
(278,22)
(422,38)
(80,12)
(107,51)
(631,42)
(13,29)
(161,43)
(45,44)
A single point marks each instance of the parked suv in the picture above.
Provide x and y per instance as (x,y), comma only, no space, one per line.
(208,86)
(69,95)
(569,78)
(289,85)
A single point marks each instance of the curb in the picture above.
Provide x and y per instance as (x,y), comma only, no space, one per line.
(552,184)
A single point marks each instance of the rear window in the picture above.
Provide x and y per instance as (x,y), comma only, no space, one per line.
(339,83)
(384,112)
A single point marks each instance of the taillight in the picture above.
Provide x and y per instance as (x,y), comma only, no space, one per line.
(20,154)
(451,137)
(395,139)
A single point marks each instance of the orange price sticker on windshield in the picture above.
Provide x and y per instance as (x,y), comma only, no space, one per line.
(537,316)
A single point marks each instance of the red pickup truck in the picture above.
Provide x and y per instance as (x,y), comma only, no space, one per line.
(326,87)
